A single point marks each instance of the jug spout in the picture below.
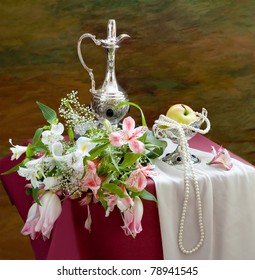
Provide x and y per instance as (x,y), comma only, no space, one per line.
(122,38)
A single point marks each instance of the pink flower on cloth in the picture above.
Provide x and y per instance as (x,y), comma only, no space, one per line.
(137,180)
(41,218)
(133,217)
(91,180)
(221,157)
(129,136)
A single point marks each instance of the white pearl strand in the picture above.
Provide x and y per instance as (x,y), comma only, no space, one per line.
(188,165)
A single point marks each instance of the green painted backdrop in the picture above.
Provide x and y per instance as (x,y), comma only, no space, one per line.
(200,53)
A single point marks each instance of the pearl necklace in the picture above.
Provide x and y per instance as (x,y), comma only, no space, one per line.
(188,166)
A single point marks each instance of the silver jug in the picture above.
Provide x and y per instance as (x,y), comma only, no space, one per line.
(105,99)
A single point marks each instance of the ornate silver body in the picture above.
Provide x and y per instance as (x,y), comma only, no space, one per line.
(110,94)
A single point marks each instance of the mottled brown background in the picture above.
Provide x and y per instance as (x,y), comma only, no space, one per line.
(200,53)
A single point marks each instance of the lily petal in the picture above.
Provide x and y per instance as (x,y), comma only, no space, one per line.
(128,125)
(133,218)
(50,210)
(116,139)
(136,181)
(32,219)
(136,146)
(57,128)
(85,145)
(17,150)
(221,157)
(88,221)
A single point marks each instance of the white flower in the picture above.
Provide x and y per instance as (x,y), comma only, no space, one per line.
(41,219)
(51,182)
(53,135)
(49,163)
(77,163)
(32,171)
(57,150)
(17,150)
(84,145)
(108,126)
(72,160)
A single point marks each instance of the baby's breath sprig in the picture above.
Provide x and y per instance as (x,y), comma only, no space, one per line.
(73,112)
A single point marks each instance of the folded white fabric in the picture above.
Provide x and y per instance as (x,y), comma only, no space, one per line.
(228,202)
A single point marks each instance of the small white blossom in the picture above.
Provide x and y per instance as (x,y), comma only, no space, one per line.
(32,171)
(108,126)
(17,150)
(51,182)
(49,137)
(84,145)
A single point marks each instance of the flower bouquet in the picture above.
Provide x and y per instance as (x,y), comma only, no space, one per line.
(94,163)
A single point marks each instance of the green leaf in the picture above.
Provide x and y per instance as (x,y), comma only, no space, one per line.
(103,167)
(37,135)
(129,159)
(101,196)
(96,151)
(147,196)
(48,113)
(155,152)
(136,106)
(101,170)
(30,150)
(28,191)
(35,195)
(100,140)
(70,134)
(40,147)
(115,164)
(156,146)
(112,188)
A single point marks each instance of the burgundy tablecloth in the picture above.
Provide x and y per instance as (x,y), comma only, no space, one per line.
(69,238)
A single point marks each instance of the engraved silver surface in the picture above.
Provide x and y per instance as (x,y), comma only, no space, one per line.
(110,94)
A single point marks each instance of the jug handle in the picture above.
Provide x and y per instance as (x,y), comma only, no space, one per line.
(89,70)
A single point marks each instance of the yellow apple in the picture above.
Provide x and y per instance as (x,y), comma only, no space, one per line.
(181,113)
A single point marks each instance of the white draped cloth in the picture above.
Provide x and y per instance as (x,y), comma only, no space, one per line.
(228,203)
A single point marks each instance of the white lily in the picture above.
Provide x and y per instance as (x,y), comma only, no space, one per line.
(17,150)
(53,135)
(72,160)
(51,182)
(32,171)
(85,145)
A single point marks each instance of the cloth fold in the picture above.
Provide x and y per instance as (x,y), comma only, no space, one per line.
(228,202)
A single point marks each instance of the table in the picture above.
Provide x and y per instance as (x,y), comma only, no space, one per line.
(69,238)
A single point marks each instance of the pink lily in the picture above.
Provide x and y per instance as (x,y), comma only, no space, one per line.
(91,180)
(129,136)
(137,180)
(87,199)
(88,221)
(133,217)
(41,218)
(221,157)
(122,203)
(31,222)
